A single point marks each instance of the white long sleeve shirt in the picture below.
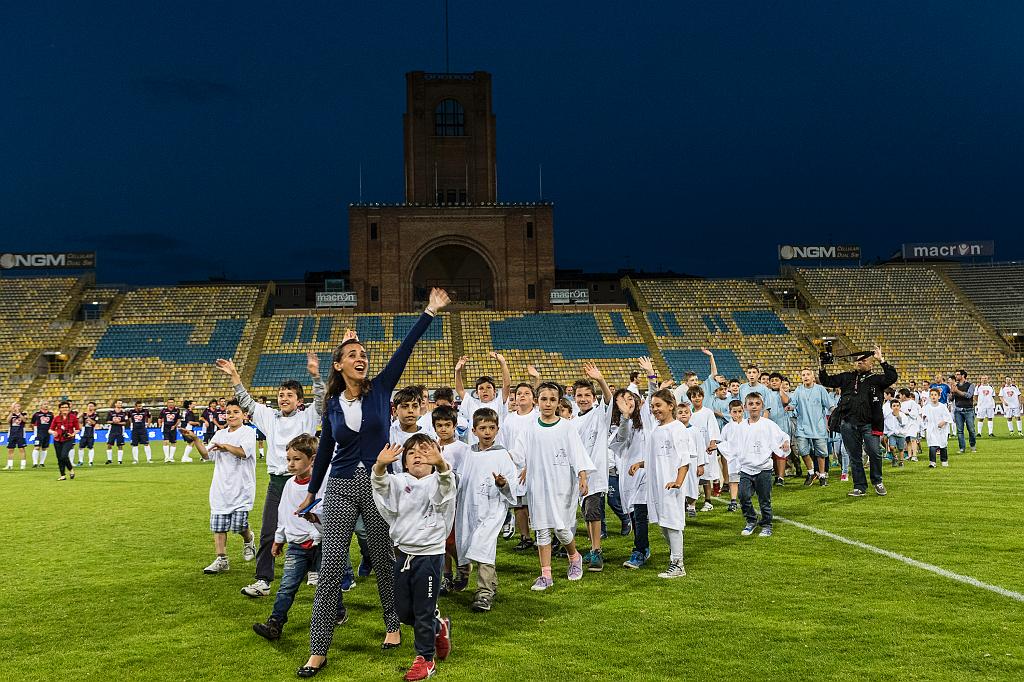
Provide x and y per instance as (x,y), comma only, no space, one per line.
(280,429)
(751,444)
(420,511)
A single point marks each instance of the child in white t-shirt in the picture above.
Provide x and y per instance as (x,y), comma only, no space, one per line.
(937,419)
(233,489)
(895,427)
(912,411)
(485,395)
(699,459)
(454,452)
(555,468)
(753,444)
(419,506)
(671,452)
(592,424)
(485,494)
(407,414)
(703,420)
(736,418)
(513,424)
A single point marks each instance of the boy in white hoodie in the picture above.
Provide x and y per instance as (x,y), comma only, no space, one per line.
(419,506)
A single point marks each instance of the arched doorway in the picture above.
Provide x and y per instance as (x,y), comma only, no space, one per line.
(458,269)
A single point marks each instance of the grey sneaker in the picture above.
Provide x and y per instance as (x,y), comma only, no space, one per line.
(748,529)
(542,583)
(880,489)
(675,570)
(766,532)
(856,492)
(219,565)
(974,449)
(481,604)
(249,551)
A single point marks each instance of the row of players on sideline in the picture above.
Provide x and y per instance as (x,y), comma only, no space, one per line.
(69,429)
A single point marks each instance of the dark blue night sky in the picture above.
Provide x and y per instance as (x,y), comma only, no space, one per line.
(179,140)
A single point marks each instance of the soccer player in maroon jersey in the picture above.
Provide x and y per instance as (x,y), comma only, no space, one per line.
(139,419)
(89,420)
(16,434)
(41,420)
(169,419)
(115,434)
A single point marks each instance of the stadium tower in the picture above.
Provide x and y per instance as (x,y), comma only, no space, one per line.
(451,231)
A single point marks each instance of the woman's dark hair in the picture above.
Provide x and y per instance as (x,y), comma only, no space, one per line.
(414,440)
(638,423)
(63,403)
(335,381)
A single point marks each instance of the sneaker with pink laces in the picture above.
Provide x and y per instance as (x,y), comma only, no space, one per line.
(421,669)
(542,583)
(576,568)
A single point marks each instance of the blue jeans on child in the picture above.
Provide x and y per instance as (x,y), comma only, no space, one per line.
(297,563)
(641,542)
(761,485)
(614,501)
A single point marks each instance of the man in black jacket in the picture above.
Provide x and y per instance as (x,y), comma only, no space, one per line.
(860,409)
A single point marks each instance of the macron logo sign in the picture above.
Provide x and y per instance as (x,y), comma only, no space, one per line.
(952,250)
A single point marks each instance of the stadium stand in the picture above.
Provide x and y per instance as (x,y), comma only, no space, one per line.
(737,320)
(996,290)
(291,334)
(912,313)
(159,342)
(558,343)
(30,309)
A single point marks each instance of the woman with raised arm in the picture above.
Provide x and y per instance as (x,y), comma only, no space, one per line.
(356,419)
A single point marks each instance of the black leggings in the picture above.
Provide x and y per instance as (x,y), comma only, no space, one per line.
(64,448)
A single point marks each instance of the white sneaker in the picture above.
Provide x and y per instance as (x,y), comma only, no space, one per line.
(945,464)
(675,570)
(186,459)
(707,507)
(10,465)
(219,565)
(313,578)
(260,588)
(249,552)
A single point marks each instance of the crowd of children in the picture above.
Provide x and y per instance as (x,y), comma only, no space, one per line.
(457,476)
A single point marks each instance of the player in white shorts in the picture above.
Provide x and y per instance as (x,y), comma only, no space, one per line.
(1009,394)
(986,407)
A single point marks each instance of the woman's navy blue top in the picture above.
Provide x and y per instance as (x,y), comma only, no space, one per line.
(341,448)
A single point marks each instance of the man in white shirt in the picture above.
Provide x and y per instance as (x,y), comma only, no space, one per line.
(986,408)
(1009,395)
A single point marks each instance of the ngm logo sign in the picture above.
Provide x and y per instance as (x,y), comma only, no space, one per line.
(816,252)
(37,261)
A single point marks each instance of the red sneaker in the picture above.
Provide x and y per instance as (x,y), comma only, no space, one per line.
(443,640)
(421,669)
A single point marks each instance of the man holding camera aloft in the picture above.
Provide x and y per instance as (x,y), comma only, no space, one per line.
(860,414)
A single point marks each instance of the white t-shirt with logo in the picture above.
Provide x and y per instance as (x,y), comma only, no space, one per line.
(234,478)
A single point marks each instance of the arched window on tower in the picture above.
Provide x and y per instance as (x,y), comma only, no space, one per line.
(449,119)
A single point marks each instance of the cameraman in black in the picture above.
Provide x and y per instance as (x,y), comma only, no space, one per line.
(860,414)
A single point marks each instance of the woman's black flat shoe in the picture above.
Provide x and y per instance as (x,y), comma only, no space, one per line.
(309,670)
(390,645)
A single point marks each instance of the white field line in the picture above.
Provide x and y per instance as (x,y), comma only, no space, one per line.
(906,560)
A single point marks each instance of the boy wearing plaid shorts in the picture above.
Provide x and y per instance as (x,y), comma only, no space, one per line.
(233,489)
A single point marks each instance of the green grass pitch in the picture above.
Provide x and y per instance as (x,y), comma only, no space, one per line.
(104,581)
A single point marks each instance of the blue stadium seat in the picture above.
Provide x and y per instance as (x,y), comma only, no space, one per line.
(681,361)
(169,342)
(370,328)
(323,332)
(291,330)
(274,368)
(709,323)
(619,324)
(574,335)
(654,319)
(759,322)
(672,324)
(306,332)
(722,326)
(403,323)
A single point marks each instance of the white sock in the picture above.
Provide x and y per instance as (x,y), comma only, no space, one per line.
(1009,425)
(188,452)
(135,454)
(1019,428)
(120,455)
(22,464)
(35,455)
(10,463)
(91,455)
(42,457)
(149,454)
